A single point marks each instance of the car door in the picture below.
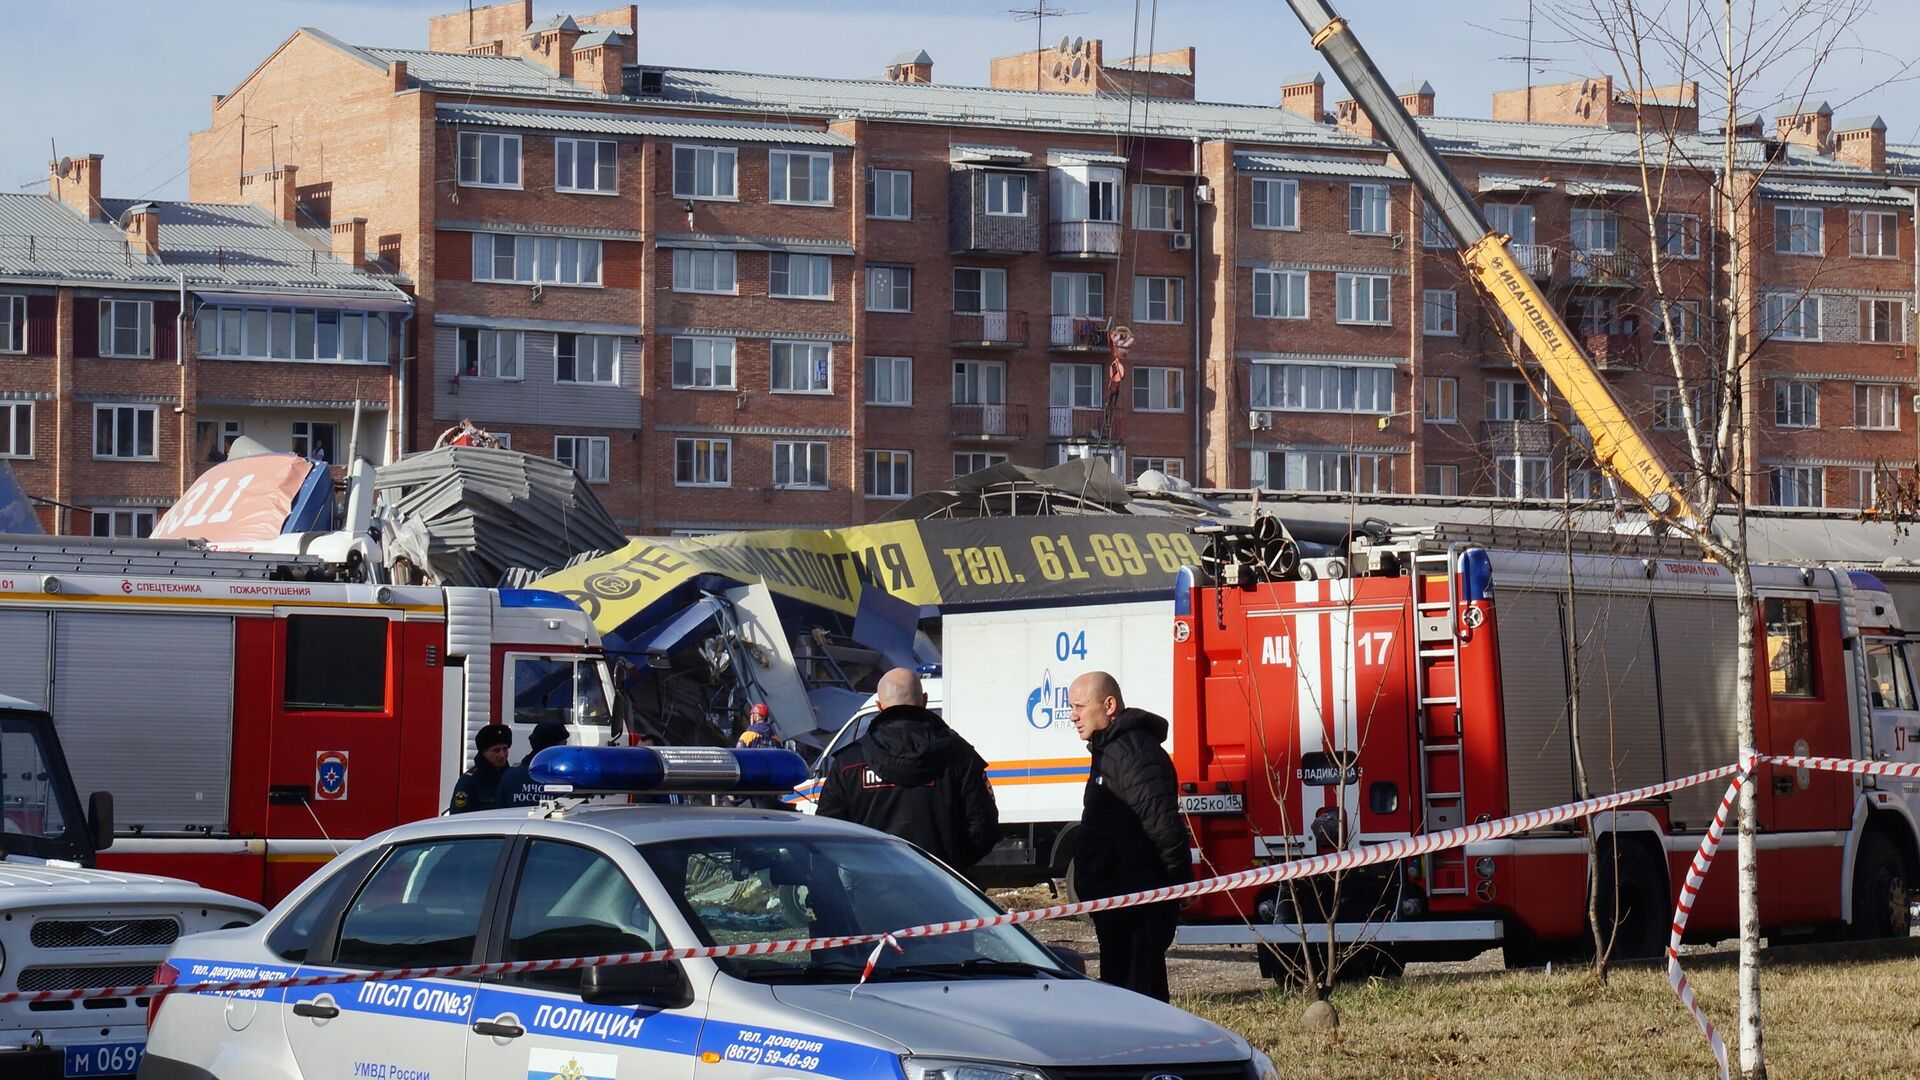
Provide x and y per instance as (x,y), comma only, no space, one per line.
(571,900)
(423,906)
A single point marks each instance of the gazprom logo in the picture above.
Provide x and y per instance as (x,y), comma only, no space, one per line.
(1047,703)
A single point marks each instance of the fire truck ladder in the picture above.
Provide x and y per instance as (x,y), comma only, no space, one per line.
(25,554)
(1436,611)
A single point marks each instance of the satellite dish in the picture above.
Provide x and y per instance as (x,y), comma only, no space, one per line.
(1079,65)
(1079,45)
(64,168)
(1058,68)
(1064,43)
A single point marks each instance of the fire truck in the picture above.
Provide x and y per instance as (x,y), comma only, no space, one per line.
(1424,679)
(252,718)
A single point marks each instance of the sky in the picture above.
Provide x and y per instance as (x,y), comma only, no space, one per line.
(155,64)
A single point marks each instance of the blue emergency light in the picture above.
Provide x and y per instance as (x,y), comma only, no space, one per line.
(677,770)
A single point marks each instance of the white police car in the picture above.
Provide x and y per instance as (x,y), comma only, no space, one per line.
(587,880)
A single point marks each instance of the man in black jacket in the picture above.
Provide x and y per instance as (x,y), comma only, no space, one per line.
(912,776)
(517,787)
(1131,836)
(479,787)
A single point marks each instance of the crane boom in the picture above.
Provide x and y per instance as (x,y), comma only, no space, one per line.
(1618,443)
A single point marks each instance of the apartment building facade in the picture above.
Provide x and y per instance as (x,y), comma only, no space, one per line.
(138,340)
(748,300)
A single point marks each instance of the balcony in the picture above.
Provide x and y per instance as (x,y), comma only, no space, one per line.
(1527,438)
(1070,423)
(1078,333)
(1535,259)
(1084,240)
(989,329)
(1612,352)
(988,423)
(1611,268)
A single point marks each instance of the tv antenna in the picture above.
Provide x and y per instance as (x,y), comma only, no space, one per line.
(1038,15)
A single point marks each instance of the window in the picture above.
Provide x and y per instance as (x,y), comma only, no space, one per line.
(123,524)
(1883,320)
(1873,234)
(1891,682)
(976,290)
(705,271)
(800,277)
(1789,647)
(1440,479)
(1361,298)
(1075,386)
(1523,478)
(16,429)
(1512,219)
(1792,317)
(889,474)
(974,461)
(1322,470)
(250,333)
(1007,194)
(1368,209)
(545,260)
(1159,389)
(1876,406)
(890,194)
(704,172)
(1511,399)
(979,382)
(489,160)
(889,380)
(13,324)
(1795,485)
(316,439)
(1796,404)
(703,462)
(1080,294)
(1439,312)
(1279,294)
(124,431)
(1597,315)
(569,899)
(1440,399)
(214,438)
(1798,230)
(1864,486)
(799,176)
(1667,413)
(1433,230)
(126,328)
(1166,466)
(390,924)
(1159,208)
(1595,232)
(702,363)
(1276,204)
(293,935)
(1159,299)
(336,663)
(1588,485)
(587,359)
(1322,388)
(800,465)
(585,165)
(801,367)
(1686,321)
(489,354)
(1680,236)
(889,288)
(584,454)
(1086,194)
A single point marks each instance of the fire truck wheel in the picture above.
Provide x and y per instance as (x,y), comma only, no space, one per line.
(1880,890)
(1633,901)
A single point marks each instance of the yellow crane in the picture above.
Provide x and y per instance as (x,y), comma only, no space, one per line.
(1618,443)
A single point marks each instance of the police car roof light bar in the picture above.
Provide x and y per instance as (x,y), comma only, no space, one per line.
(677,770)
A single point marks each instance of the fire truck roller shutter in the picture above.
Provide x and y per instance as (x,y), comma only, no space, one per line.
(145,710)
(1697,673)
(1619,695)
(1533,676)
(23,655)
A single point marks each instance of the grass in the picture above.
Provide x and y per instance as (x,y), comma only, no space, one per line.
(1833,1013)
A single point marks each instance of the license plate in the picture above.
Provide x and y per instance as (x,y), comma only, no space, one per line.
(104,1059)
(1213,804)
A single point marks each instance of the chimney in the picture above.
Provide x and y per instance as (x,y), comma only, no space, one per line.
(1861,141)
(1751,126)
(78,186)
(1305,95)
(911,67)
(1417,97)
(1812,129)
(550,44)
(350,241)
(1352,119)
(598,64)
(273,190)
(397,75)
(143,230)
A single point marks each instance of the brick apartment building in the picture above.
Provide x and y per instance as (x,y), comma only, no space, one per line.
(742,299)
(139,339)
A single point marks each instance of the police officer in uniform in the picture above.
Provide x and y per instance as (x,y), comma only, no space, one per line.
(479,787)
(517,786)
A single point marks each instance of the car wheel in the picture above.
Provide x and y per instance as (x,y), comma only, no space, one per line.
(1880,890)
(1633,901)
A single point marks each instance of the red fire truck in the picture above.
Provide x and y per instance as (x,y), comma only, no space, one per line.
(1420,681)
(249,726)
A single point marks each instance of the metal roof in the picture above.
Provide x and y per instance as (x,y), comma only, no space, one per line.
(603,123)
(1590,188)
(1247,161)
(1084,157)
(1135,64)
(964,152)
(1836,193)
(1860,123)
(214,246)
(462,71)
(1491,184)
(596,38)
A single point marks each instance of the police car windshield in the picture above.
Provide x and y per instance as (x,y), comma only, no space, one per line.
(766,888)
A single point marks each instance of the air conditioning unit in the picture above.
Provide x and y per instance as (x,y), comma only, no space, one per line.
(1259,420)
(1182,241)
(1203,193)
